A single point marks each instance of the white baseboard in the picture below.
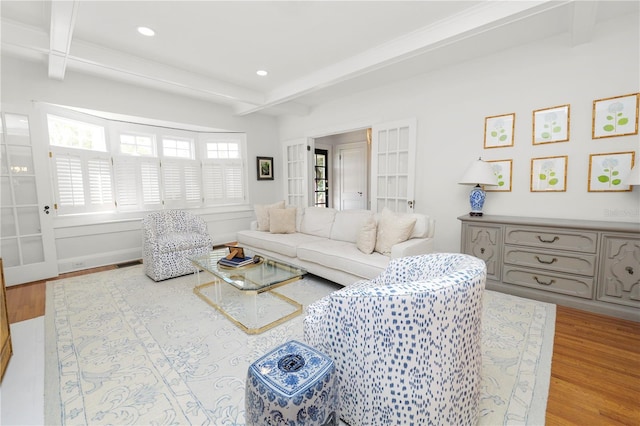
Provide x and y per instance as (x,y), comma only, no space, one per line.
(99,259)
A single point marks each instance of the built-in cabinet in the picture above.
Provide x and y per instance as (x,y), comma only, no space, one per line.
(589,265)
(5,332)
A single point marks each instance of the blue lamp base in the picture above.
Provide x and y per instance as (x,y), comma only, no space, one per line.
(476,198)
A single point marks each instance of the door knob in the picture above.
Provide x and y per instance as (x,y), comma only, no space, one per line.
(46,209)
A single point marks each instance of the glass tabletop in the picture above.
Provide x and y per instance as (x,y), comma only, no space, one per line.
(254,277)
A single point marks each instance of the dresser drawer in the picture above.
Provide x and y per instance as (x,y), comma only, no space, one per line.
(550,238)
(555,282)
(574,263)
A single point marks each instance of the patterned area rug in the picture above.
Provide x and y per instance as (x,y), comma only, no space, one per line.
(122,349)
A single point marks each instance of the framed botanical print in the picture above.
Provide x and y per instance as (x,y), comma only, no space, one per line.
(498,130)
(549,174)
(502,170)
(617,116)
(607,170)
(551,124)
(264,168)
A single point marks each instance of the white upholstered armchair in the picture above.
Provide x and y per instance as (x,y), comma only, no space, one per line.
(169,239)
(407,343)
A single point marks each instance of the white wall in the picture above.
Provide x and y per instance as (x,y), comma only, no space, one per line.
(451,104)
(118,239)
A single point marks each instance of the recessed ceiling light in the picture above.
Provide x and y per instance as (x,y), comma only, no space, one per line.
(146,31)
(261,73)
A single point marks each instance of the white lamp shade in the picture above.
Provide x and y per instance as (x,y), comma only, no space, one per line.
(633,178)
(479,173)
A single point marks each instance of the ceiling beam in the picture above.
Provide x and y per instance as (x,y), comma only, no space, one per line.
(583,21)
(63,20)
(472,21)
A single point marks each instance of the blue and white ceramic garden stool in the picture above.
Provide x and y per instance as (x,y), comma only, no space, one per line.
(293,384)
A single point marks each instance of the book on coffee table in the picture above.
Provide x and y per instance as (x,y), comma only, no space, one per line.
(236,262)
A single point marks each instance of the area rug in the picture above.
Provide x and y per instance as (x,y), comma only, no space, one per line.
(122,349)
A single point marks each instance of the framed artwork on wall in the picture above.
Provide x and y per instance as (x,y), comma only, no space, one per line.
(498,130)
(607,170)
(264,168)
(617,116)
(502,170)
(549,174)
(551,124)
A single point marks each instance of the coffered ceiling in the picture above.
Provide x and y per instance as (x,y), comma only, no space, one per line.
(314,51)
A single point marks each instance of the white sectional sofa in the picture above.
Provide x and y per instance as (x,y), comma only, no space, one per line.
(337,245)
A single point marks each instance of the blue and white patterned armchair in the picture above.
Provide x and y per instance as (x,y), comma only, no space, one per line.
(407,343)
(169,239)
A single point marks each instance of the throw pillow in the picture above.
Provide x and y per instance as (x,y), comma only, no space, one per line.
(262,214)
(366,240)
(393,228)
(282,221)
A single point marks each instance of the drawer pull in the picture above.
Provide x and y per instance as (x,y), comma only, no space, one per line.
(629,269)
(542,282)
(546,262)
(542,240)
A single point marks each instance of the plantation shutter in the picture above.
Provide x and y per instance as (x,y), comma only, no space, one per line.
(181,180)
(223,182)
(83,180)
(212,176)
(150,178)
(127,183)
(99,173)
(68,173)
(137,183)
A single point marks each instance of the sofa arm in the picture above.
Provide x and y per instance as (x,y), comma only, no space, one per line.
(412,247)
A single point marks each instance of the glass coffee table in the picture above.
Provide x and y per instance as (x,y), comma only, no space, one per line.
(246,295)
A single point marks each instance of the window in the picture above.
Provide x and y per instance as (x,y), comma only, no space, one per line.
(223,169)
(143,145)
(82,166)
(102,165)
(67,133)
(177,148)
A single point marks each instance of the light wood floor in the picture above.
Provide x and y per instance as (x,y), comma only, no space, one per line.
(595,372)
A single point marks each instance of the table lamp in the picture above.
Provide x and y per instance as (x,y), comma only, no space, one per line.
(479,173)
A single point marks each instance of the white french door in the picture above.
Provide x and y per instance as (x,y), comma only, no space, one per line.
(296,171)
(393,153)
(27,245)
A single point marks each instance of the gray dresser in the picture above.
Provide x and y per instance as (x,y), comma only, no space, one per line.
(588,265)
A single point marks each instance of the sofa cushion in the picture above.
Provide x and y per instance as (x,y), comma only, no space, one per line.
(347,224)
(343,256)
(317,221)
(366,241)
(285,244)
(393,228)
(262,214)
(282,221)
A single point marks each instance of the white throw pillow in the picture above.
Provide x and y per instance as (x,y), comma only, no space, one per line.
(366,240)
(262,214)
(393,228)
(282,221)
